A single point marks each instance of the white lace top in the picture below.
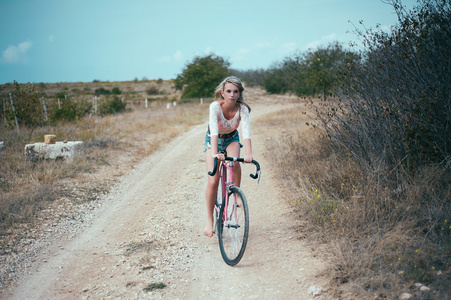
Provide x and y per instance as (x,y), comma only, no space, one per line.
(220,125)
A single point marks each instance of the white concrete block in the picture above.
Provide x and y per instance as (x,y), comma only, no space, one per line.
(60,150)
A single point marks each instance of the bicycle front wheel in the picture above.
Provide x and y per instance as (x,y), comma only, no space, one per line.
(233,227)
(218,204)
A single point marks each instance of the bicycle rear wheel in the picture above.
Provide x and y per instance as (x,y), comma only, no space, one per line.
(233,234)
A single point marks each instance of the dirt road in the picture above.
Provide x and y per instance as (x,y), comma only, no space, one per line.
(149,231)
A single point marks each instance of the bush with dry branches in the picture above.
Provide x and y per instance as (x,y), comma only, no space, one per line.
(375,184)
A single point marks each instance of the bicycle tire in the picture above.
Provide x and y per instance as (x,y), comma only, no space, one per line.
(233,236)
(218,204)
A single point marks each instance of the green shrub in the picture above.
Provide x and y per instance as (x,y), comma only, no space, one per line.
(27,104)
(66,112)
(153,90)
(111,106)
(116,91)
(102,91)
(61,95)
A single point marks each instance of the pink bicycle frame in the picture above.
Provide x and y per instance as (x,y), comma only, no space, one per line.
(226,167)
(227,183)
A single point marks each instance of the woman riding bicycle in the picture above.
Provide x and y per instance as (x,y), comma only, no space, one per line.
(226,112)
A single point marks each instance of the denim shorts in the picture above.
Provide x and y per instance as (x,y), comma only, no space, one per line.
(222,143)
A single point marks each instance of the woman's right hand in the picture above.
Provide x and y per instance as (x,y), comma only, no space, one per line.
(220,156)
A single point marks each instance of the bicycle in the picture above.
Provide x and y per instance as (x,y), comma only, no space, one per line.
(231,211)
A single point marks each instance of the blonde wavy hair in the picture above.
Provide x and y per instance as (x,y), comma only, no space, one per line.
(236,82)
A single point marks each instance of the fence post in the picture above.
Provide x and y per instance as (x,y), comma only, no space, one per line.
(46,117)
(146,104)
(95,105)
(14,110)
(59,104)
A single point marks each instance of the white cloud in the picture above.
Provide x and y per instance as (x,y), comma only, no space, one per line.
(14,54)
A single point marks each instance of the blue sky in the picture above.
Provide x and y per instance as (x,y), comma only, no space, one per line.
(118,40)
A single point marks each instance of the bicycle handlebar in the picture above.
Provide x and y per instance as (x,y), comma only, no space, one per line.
(257,173)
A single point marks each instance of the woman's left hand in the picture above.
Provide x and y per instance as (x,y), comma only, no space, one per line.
(248,158)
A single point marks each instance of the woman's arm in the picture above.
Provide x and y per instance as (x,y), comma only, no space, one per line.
(214,106)
(248,149)
(214,148)
(245,123)
(245,127)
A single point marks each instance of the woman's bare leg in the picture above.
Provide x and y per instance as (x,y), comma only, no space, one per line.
(233,150)
(210,194)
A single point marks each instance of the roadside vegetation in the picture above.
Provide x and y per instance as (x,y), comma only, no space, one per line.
(120,125)
(372,175)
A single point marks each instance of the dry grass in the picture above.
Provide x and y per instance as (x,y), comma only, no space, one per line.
(133,91)
(26,187)
(381,240)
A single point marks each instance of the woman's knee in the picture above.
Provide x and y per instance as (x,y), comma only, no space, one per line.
(233,149)
(212,182)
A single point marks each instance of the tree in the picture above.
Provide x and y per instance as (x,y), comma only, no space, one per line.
(200,77)
(274,80)
(323,68)
(251,77)
(310,73)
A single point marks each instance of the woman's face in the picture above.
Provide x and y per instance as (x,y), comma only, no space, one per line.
(231,92)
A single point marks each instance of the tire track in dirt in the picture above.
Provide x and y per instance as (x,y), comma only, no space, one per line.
(149,230)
